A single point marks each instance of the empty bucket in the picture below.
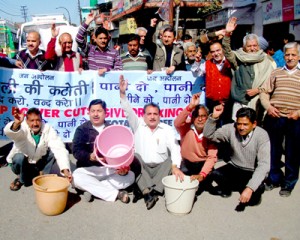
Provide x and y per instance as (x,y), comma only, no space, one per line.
(179,196)
(51,192)
(115,143)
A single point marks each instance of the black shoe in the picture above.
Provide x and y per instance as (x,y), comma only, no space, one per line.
(219,192)
(150,200)
(136,196)
(271,186)
(240,207)
(285,192)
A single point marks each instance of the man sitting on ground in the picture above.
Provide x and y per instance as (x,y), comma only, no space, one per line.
(154,142)
(250,156)
(37,147)
(91,177)
(199,154)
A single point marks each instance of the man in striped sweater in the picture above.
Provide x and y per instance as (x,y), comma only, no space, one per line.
(33,57)
(280,96)
(250,156)
(100,57)
(134,59)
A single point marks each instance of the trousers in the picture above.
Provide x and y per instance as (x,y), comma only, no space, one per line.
(151,175)
(101,182)
(27,171)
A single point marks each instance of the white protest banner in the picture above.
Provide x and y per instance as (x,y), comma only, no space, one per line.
(63,98)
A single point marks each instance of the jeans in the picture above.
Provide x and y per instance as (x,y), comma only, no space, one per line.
(283,130)
(21,166)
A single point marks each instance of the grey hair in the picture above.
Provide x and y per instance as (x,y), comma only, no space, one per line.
(187,45)
(250,36)
(292,45)
(140,29)
(163,27)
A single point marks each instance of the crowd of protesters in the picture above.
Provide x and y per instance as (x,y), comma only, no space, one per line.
(252,104)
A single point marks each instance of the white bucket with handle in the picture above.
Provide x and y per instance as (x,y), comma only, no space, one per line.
(179,195)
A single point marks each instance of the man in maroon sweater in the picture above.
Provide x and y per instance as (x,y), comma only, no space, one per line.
(67,60)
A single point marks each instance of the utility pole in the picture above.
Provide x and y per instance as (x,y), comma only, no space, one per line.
(171,12)
(79,10)
(24,10)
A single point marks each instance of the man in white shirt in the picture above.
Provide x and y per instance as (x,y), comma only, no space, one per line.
(153,142)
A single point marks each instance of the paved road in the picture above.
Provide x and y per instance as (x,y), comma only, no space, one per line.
(211,218)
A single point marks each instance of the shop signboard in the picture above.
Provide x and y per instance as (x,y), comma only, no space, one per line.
(272,12)
(287,10)
(297,9)
(127,26)
(237,3)
(217,19)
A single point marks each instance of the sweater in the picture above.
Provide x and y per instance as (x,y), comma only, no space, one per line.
(192,149)
(282,90)
(140,62)
(218,83)
(66,62)
(37,62)
(98,59)
(253,156)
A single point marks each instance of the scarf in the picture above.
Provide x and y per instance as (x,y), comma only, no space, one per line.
(262,69)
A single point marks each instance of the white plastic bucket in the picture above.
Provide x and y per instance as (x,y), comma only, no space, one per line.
(179,196)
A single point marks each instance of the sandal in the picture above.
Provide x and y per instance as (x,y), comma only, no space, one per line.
(123,197)
(16,185)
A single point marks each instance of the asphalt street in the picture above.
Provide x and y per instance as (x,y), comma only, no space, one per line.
(212,217)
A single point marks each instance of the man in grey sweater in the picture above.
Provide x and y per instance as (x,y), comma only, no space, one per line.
(250,156)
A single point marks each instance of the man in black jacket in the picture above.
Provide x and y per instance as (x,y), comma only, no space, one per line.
(90,176)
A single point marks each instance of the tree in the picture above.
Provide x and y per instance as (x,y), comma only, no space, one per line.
(214,5)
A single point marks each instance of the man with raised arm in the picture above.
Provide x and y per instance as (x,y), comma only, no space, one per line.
(154,141)
(37,147)
(250,156)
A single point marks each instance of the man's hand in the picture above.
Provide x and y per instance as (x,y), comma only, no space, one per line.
(19,64)
(195,101)
(89,18)
(123,170)
(218,110)
(170,70)
(246,195)
(178,173)
(198,56)
(149,71)
(293,115)
(198,177)
(67,174)
(54,31)
(123,84)
(153,22)
(93,157)
(274,112)
(18,118)
(101,71)
(231,25)
(220,32)
(252,92)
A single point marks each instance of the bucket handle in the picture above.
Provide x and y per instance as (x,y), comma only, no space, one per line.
(168,203)
(105,164)
(44,188)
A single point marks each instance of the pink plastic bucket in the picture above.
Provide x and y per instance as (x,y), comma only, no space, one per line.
(115,143)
